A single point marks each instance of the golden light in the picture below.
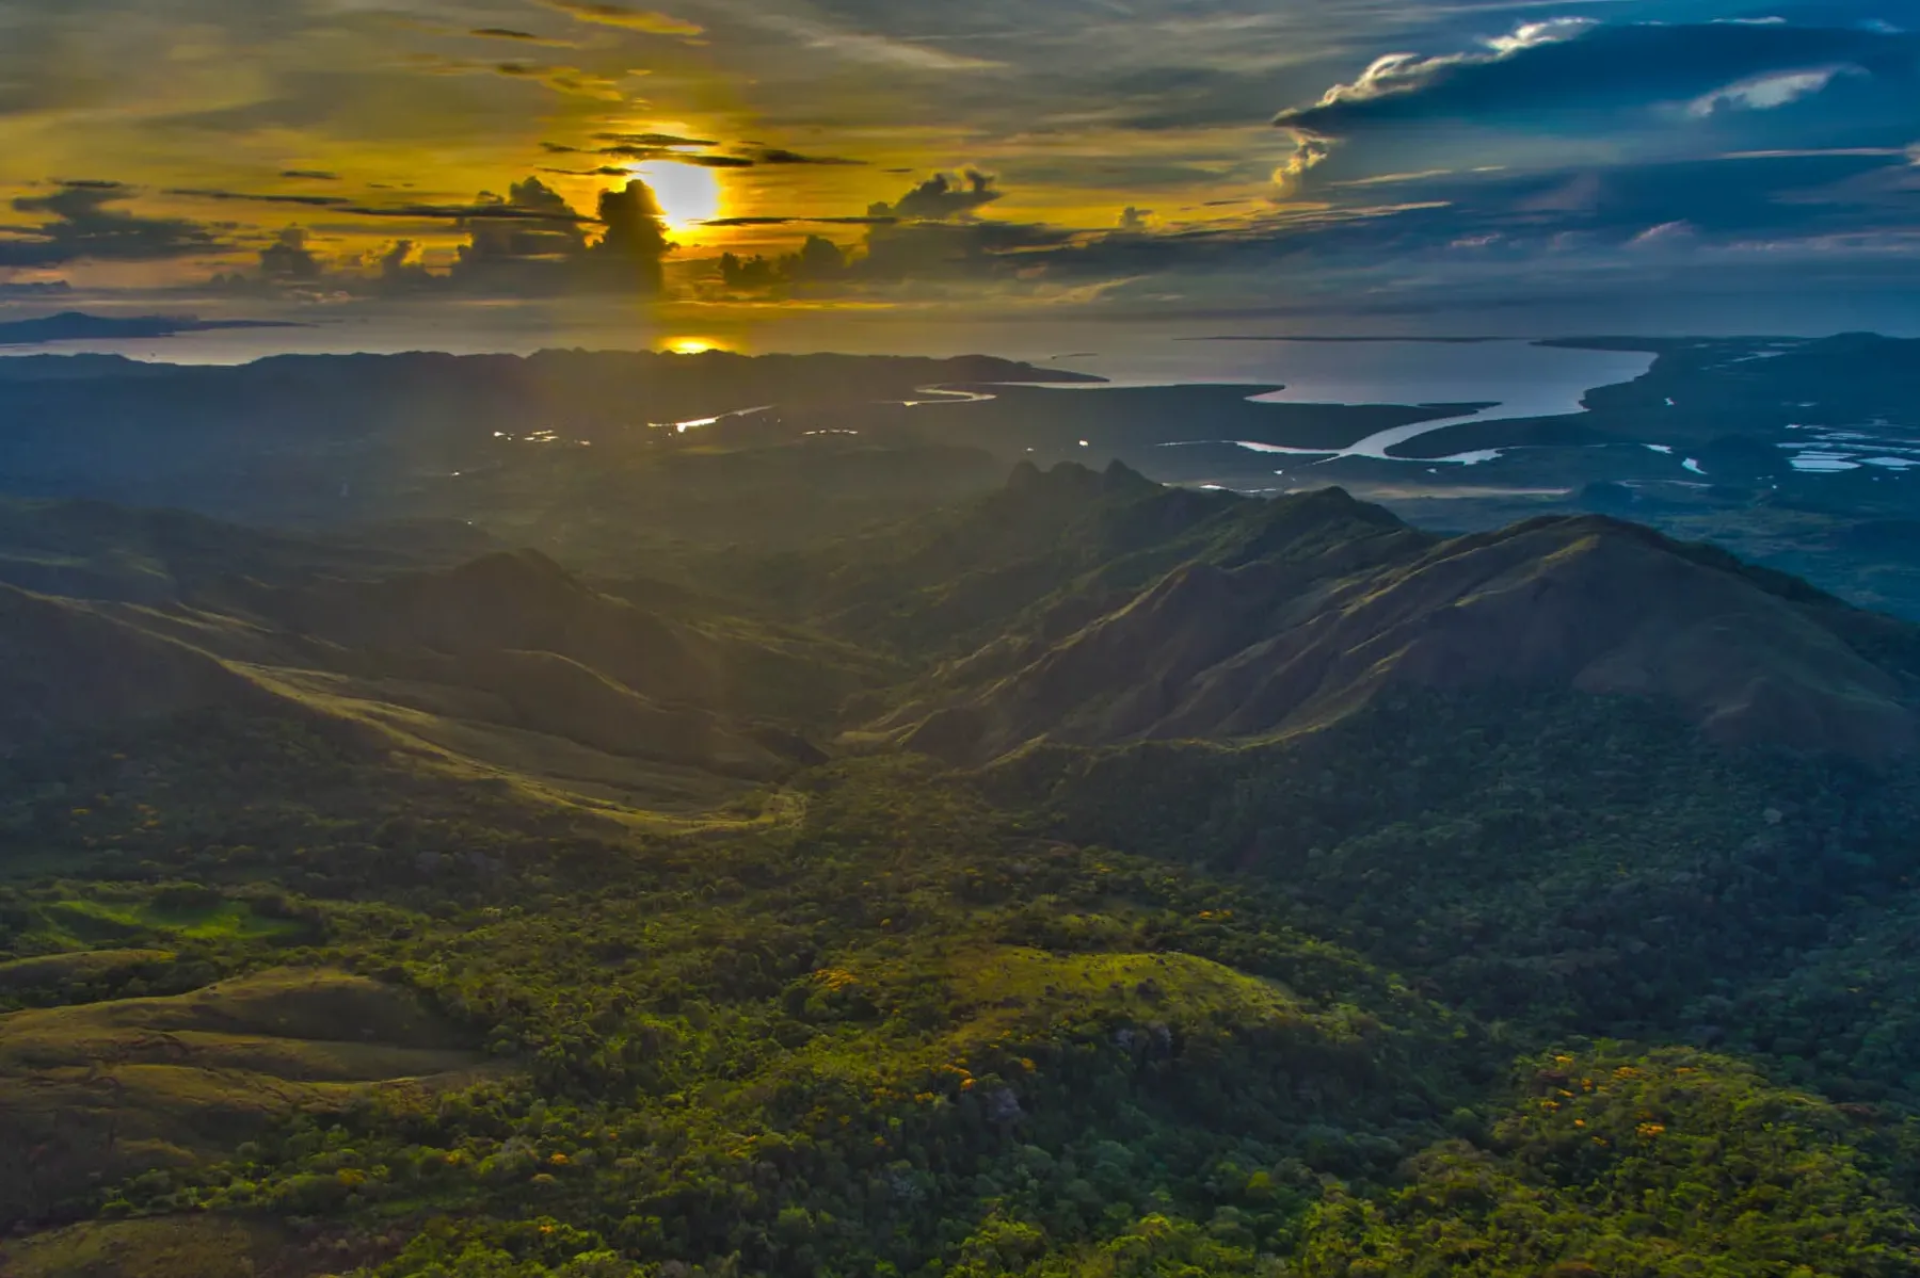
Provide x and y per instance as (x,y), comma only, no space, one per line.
(695,345)
(688,193)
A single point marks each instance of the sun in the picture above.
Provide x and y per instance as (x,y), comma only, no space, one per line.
(696,345)
(688,193)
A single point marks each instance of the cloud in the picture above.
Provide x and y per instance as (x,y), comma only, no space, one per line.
(680,149)
(780,220)
(398,272)
(1580,65)
(648,21)
(536,245)
(562,79)
(506,33)
(1396,75)
(1309,151)
(530,243)
(942,197)
(956,250)
(310,175)
(818,261)
(288,260)
(249,197)
(1665,235)
(85,227)
(652,140)
(532,224)
(630,255)
(1767,92)
(780,155)
(487,208)
(626,152)
(868,47)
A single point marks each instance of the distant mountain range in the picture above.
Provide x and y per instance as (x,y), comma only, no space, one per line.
(1802,455)
(77,326)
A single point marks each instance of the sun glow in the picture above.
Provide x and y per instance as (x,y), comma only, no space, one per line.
(688,193)
(695,345)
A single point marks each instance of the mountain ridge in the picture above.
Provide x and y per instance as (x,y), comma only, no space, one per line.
(1281,634)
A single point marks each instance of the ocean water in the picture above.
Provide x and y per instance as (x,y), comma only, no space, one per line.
(1522,379)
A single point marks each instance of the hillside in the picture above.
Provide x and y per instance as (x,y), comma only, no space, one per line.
(122,1087)
(478,665)
(1097,609)
(94,550)
(66,667)
(1295,892)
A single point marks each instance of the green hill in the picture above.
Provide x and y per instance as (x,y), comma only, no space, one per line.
(1086,879)
(114,1089)
(1248,619)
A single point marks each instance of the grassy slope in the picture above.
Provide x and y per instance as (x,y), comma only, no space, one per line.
(896,1024)
(887,1019)
(197,1247)
(117,1088)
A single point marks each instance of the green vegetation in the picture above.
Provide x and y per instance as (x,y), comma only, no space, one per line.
(1501,978)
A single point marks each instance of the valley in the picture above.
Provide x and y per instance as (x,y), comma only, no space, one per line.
(1085,876)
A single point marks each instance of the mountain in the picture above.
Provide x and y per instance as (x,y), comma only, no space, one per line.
(65,667)
(479,663)
(97,550)
(1294,892)
(1249,619)
(1789,451)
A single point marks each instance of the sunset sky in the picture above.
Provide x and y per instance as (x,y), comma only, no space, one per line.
(1405,158)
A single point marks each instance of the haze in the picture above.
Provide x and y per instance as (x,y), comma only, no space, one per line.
(515,171)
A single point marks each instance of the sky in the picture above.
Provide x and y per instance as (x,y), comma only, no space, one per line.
(1420,166)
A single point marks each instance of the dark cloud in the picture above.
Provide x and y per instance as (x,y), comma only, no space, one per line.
(629,256)
(38,290)
(487,208)
(310,175)
(399,273)
(309,201)
(532,224)
(652,140)
(962,249)
(1762,222)
(1580,65)
(288,260)
(505,33)
(538,246)
(818,261)
(639,152)
(802,221)
(1782,197)
(85,226)
(605,170)
(561,79)
(780,155)
(943,197)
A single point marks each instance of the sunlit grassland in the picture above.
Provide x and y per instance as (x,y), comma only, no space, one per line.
(112,1089)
